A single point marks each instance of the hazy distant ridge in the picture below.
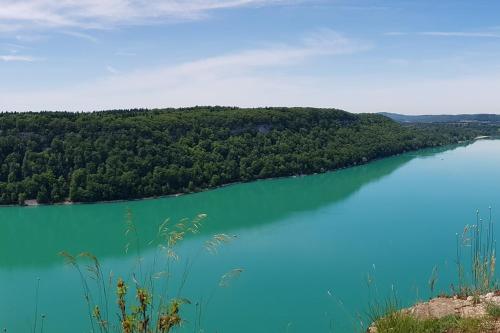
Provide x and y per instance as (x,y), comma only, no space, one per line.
(482,118)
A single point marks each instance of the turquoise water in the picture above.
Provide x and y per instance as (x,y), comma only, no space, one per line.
(305,244)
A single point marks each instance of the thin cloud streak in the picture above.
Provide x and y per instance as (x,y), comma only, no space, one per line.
(12,58)
(125,54)
(112,70)
(460,34)
(205,80)
(261,77)
(100,14)
(81,35)
(465,34)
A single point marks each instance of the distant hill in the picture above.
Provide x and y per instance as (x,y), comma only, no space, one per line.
(52,157)
(461,118)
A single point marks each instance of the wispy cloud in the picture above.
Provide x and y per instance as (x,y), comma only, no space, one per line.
(460,34)
(9,27)
(81,35)
(261,77)
(240,78)
(30,38)
(112,70)
(125,54)
(12,58)
(12,48)
(323,42)
(465,34)
(36,14)
(396,33)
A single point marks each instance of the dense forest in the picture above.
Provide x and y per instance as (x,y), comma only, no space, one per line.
(85,157)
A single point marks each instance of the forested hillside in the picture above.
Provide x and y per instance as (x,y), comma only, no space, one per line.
(86,157)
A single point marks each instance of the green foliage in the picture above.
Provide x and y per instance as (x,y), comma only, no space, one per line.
(399,322)
(493,310)
(476,255)
(152,309)
(87,157)
(387,316)
(476,258)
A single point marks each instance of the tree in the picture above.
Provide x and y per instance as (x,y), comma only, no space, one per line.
(77,185)
(123,154)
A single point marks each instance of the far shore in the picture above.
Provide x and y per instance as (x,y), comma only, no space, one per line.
(34,203)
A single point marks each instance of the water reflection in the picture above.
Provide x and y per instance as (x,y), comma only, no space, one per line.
(32,236)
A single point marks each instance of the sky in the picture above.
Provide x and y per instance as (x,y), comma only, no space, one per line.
(411,57)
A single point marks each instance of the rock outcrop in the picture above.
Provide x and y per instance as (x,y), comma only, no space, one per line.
(470,307)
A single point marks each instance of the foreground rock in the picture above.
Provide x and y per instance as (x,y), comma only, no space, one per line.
(471,307)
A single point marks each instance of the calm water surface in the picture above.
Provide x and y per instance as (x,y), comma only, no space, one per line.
(306,244)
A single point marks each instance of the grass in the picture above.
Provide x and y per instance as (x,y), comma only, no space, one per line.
(493,310)
(398,322)
(476,258)
(388,318)
(141,308)
(144,303)
(476,261)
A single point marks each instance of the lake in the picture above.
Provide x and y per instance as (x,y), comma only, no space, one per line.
(306,245)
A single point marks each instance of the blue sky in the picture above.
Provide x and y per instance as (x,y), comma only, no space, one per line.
(414,57)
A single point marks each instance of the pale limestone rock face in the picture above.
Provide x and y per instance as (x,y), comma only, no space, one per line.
(445,306)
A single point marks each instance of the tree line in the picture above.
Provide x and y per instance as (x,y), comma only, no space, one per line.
(123,154)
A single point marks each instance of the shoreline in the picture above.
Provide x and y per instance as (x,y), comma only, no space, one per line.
(33,203)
